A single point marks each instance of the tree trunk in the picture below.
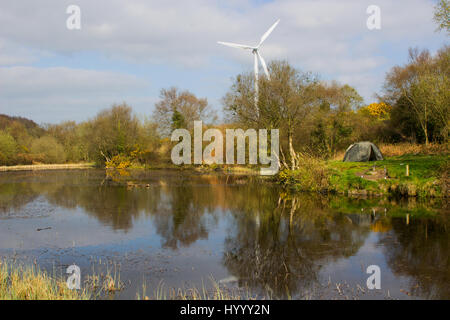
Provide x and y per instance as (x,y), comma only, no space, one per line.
(292,151)
(283,159)
(104,156)
(426,126)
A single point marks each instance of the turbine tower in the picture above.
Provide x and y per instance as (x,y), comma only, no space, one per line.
(256,55)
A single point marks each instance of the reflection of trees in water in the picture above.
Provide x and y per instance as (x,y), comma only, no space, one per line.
(421,250)
(180,218)
(179,212)
(114,206)
(14,196)
(282,245)
(275,240)
(189,208)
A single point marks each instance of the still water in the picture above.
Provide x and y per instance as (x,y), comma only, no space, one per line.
(183,229)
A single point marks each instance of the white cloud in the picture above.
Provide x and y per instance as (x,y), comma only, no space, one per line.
(11,54)
(61,81)
(328,37)
(50,94)
(173,30)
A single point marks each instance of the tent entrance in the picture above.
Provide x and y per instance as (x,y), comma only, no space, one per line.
(372,156)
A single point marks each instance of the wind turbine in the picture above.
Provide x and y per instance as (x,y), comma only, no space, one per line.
(256,55)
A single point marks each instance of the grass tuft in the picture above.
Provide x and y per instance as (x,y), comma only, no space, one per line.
(19,282)
(215,291)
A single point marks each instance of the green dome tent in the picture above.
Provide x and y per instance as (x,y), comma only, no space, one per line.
(362,151)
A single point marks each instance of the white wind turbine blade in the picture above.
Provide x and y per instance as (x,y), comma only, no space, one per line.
(263,63)
(265,35)
(235,45)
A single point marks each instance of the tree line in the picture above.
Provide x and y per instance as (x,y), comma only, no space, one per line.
(314,116)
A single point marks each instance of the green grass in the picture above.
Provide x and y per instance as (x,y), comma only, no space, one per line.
(421,166)
(427,176)
(394,208)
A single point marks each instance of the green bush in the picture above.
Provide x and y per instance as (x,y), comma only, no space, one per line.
(48,149)
(8,149)
(312,175)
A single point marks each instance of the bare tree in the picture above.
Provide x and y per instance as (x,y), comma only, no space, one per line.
(284,102)
(177,108)
(423,82)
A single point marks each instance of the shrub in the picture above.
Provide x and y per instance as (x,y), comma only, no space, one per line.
(8,149)
(393,150)
(26,158)
(119,161)
(48,149)
(405,148)
(377,110)
(312,175)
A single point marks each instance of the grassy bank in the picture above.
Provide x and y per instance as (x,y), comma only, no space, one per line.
(33,167)
(428,176)
(30,283)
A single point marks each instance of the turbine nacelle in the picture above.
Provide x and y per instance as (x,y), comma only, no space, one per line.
(255,51)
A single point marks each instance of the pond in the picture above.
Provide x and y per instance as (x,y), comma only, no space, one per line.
(181,229)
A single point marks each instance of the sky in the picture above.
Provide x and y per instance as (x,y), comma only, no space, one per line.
(130,50)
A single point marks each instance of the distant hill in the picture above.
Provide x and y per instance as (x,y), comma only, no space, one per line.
(32,127)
